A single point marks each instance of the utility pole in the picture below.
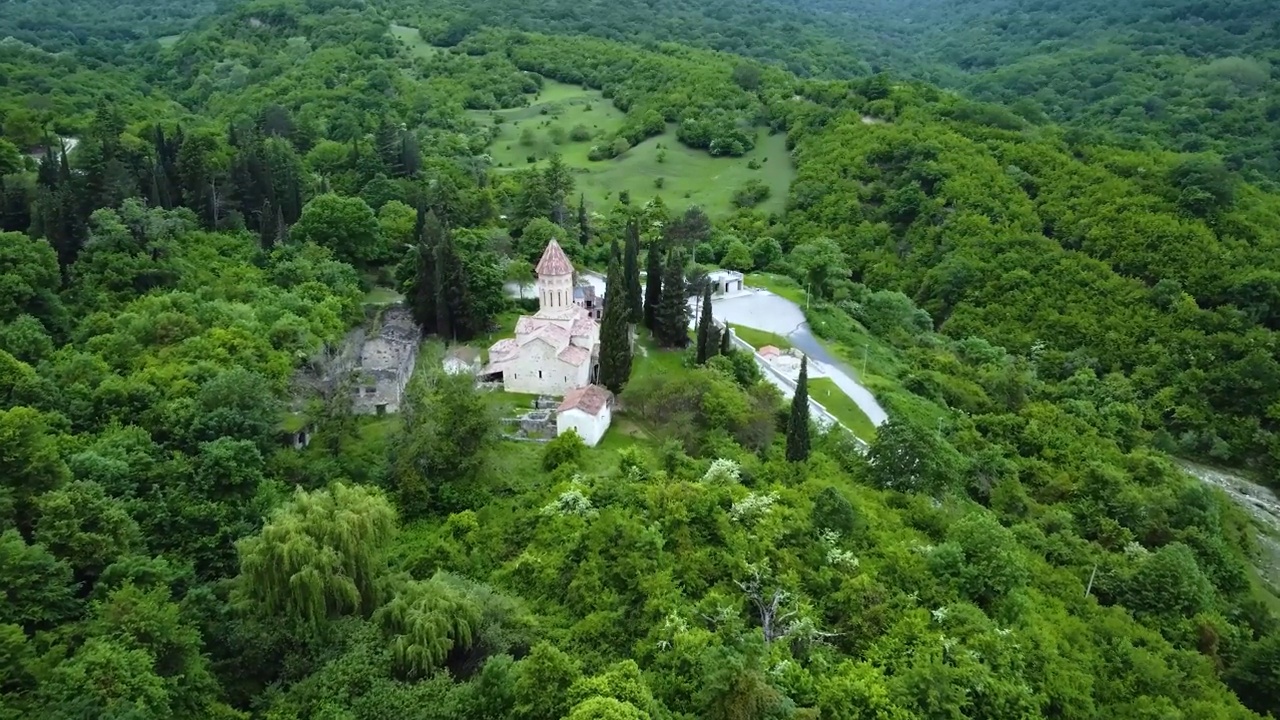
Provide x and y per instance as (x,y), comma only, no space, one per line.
(1092,575)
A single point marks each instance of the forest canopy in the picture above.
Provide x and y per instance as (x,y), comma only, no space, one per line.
(195,521)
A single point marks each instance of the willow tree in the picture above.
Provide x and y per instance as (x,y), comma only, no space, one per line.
(320,555)
(424,622)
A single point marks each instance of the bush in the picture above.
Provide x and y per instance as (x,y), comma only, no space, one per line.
(580,133)
(753,164)
(566,449)
(659,182)
(557,134)
(751,194)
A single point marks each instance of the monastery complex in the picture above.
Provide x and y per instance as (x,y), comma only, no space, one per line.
(555,350)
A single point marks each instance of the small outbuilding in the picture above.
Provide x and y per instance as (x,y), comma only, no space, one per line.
(588,411)
(725,282)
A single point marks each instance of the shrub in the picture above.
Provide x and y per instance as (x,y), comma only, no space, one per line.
(751,194)
(659,182)
(580,133)
(566,449)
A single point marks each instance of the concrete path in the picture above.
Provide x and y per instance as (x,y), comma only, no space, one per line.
(763,310)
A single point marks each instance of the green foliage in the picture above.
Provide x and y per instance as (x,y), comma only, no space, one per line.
(319,557)
(447,427)
(1169,582)
(798,444)
(1035,307)
(345,225)
(564,449)
(671,311)
(615,329)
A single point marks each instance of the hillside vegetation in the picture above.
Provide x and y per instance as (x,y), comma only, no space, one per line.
(1047,316)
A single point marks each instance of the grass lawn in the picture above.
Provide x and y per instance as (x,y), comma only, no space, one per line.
(381,296)
(413,40)
(508,404)
(760,338)
(648,360)
(688,177)
(168,40)
(829,395)
(780,285)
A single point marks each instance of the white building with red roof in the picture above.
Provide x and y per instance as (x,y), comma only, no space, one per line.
(586,411)
(555,350)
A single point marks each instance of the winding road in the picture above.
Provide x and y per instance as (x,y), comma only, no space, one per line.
(763,310)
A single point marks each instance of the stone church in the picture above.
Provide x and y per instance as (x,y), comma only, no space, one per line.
(555,350)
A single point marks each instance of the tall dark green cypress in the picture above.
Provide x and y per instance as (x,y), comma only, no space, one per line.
(798,421)
(456,291)
(584,227)
(418,277)
(726,340)
(443,327)
(705,347)
(653,285)
(671,317)
(631,272)
(615,331)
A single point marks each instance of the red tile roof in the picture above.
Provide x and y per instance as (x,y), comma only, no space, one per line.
(590,399)
(554,261)
(574,355)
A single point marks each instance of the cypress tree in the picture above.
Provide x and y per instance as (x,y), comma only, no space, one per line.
(671,316)
(455,288)
(798,421)
(653,285)
(631,273)
(584,228)
(705,349)
(726,340)
(418,277)
(267,225)
(615,332)
(436,232)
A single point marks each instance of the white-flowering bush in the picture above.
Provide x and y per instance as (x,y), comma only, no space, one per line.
(836,555)
(752,506)
(722,472)
(571,502)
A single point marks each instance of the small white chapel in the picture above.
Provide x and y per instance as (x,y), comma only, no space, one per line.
(556,349)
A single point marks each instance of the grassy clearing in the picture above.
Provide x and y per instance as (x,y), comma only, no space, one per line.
(651,361)
(168,40)
(413,40)
(829,395)
(760,338)
(381,296)
(687,176)
(780,285)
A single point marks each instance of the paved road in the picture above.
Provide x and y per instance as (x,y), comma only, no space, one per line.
(762,310)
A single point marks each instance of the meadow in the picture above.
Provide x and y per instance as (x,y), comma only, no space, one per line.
(660,166)
(413,40)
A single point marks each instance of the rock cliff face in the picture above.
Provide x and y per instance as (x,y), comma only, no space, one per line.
(1263,506)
